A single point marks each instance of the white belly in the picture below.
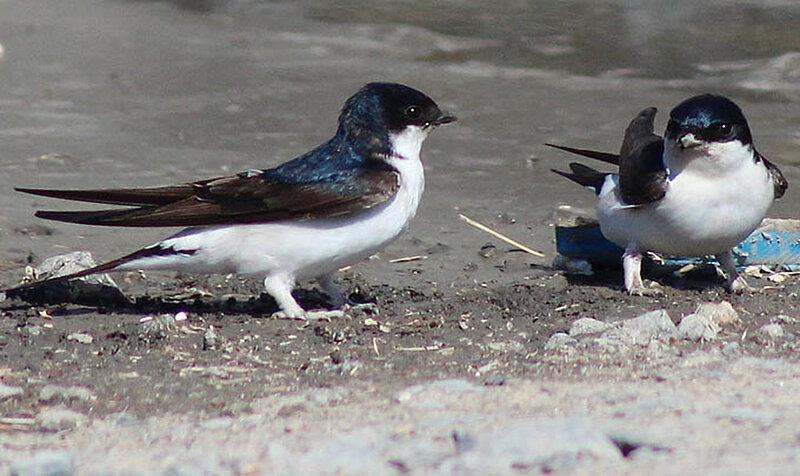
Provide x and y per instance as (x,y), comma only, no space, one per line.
(699,215)
(304,249)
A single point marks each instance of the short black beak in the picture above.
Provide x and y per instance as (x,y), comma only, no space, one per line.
(444,118)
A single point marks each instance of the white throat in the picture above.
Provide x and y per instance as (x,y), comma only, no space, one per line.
(407,143)
(709,158)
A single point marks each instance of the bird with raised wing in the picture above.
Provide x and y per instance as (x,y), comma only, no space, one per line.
(698,191)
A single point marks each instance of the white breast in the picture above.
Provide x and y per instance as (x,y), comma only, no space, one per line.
(707,209)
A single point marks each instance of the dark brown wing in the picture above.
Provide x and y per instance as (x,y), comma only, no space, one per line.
(779,182)
(642,174)
(255,197)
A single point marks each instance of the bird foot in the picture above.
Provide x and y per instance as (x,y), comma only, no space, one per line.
(643,290)
(367,308)
(316,316)
(738,286)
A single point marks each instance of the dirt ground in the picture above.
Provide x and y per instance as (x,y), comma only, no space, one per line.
(457,372)
(228,356)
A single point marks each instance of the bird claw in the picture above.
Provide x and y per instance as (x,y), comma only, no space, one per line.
(368,308)
(315,316)
(645,291)
(738,286)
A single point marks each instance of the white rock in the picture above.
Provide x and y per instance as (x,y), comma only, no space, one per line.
(698,327)
(587,325)
(52,392)
(770,332)
(81,337)
(9,391)
(59,418)
(642,329)
(720,313)
(559,340)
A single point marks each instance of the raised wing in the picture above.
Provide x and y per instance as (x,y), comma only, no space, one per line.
(249,197)
(642,175)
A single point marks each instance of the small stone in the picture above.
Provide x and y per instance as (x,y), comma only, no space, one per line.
(495,381)
(511,346)
(81,337)
(47,462)
(587,325)
(54,392)
(434,395)
(9,391)
(559,340)
(210,339)
(488,251)
(698,327)
(59,419)
(642,329)
(770,333)
(722,313)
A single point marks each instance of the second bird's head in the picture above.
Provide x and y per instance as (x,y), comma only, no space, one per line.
(709,126)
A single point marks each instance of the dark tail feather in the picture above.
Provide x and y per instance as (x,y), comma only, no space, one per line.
(592,154)
(100,217)
(584,176)
(100,268)
(132,196)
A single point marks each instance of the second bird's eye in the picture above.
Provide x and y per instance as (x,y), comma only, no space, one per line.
(413,112)
(724,128)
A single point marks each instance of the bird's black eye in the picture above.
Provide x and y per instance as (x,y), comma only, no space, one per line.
(413,112)
(724,128)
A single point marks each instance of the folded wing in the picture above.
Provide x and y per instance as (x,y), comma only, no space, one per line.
(250,197)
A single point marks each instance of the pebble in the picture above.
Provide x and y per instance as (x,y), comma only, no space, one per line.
(81,337)
(488,251)
(698,327)
(210,339)
(9,391)
(59,419)
(53,392)
(722,313)
(770,333)
(510,346)
(587,325)
(46,462)
(536,446)
(435,395)
(649,326)
(732,349)
(559,340)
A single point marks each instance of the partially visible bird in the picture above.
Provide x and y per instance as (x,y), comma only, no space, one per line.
(698,191)
(307,218)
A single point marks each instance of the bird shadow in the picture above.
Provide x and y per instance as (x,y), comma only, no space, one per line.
(109,299)
(701,278)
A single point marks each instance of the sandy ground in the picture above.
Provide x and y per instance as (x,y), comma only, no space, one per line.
(456,370)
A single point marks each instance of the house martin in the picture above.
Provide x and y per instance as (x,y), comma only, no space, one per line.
(305,219)
(699,190)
